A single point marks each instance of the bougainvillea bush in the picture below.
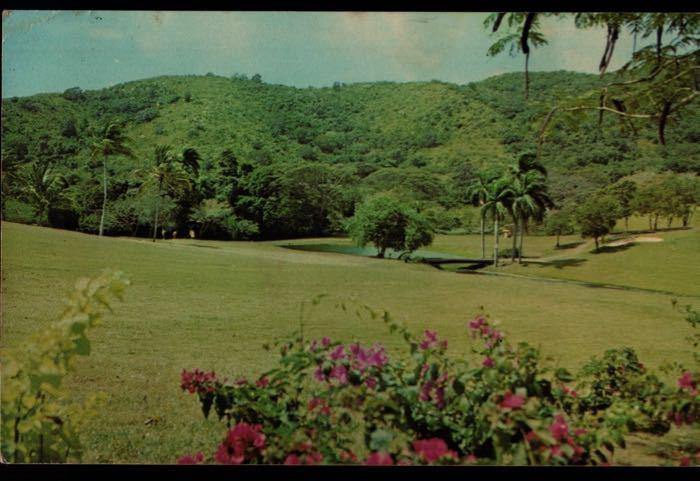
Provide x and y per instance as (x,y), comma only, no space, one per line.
(329,402)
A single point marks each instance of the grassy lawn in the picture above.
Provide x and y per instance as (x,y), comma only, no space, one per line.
(213,304)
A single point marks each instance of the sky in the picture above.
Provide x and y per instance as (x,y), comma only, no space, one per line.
(50,51)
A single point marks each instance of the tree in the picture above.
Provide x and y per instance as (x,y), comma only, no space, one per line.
(558,223)
(167,176)
(524,30)
(529,199)
(190,159)
(477,194)
(209,213)
(111,141)
(497,202)
(389,224)
(624,191)
(597,216)
(41,186)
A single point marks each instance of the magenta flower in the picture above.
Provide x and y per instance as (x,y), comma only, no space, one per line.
(189,459)
(686,382)
(337,353)
(292,459)
(512,401)
(488,362)
(559,428)
(243,441)
(262,382)
(371,382)
(477,323)
(325,342)
(432,449)
(197,380)
(340,373)
(318,374)
(379,459)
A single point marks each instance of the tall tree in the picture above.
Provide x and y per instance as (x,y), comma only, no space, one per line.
(497,201)
(529,200)
(41,186)
(477,194)
(111,141)
(167,176)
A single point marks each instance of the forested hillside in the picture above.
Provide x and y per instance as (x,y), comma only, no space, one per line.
(289,162)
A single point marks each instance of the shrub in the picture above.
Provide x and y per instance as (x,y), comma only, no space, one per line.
(388,224)
(347,403)
(39,424)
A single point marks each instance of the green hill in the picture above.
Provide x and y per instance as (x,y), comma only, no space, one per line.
(426,138)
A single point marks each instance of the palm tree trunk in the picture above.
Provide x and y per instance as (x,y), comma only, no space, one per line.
(483,239)
(627,222)
(522,235)
(155,220)
(596,244)
(558,239)
(104,195)
(656,221)
(515,238)
(495,237)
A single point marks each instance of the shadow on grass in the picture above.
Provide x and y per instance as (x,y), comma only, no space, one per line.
(612,249)
(569,245)
(561,263)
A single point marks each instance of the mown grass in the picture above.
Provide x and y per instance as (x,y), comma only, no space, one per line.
(213,304)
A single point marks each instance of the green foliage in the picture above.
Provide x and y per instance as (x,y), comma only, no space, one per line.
(330,402)
(388,224)
(597,216)
(558,223)
(39,423)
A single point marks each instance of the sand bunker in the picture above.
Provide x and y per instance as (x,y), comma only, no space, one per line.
(630,240)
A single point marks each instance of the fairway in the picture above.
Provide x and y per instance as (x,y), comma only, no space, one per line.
(212,305)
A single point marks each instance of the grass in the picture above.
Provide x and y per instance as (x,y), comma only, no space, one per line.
(214,307)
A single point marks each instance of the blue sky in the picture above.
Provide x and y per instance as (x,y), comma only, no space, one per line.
(44,51)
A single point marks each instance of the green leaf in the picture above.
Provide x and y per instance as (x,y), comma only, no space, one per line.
(380,439)
(458,386)
(82,346)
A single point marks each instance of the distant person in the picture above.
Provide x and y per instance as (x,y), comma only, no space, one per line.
(174,234)
(192,236)
(162,232)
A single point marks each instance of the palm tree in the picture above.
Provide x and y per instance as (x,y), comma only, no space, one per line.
(530,200)
(166,175)
(477,193)
(111,141)
(496,203)
(41,186)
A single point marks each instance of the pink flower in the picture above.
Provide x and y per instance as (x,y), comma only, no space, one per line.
(686,382)
(340,373)
(318,374)
(379,459)
(262,382)
(531,436)
(337,353)
(325,342)
(196,380)
(559,429)
(243,441)
(432,449)
(512,401)
(555,450)
(429,337)
(488,362)
(189,459)
(471,458)
(569,391)
(580,432)
(477,323)
(371,382)
(292,459)
(684,461)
